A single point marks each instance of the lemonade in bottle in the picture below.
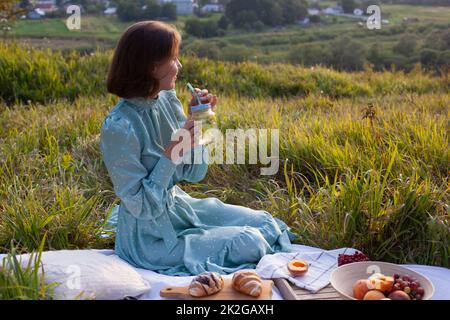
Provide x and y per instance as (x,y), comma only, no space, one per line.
(203,113)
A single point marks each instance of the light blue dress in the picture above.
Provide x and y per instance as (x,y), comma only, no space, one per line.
(159,226)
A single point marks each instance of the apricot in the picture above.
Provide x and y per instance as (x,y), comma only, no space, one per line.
(360,289)
(399,295)
(381,282)
(298,267)
(374,295)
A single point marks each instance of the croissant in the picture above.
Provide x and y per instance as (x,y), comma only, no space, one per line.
(206,284)
(247,282)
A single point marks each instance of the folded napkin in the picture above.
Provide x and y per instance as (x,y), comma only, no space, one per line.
(321,265)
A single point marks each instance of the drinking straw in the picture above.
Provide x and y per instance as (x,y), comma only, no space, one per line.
(191,88)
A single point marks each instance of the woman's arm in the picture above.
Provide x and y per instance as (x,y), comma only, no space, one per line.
(195,172)
(143,193)
(192,172)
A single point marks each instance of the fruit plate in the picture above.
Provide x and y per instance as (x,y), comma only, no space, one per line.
(343,278)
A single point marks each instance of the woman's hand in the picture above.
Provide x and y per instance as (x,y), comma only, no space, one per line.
(205,97)
(194,135)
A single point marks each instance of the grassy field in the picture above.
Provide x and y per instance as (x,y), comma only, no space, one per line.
(379,184)
(267,46)
(396,13)
(92,26)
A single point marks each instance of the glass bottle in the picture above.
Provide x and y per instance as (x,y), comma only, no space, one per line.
(204,113)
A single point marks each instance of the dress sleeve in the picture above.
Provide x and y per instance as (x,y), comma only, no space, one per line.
(193,171)
(143,193)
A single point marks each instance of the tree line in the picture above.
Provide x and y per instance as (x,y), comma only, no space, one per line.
(254,13)
(249,15)
(345,53)
(145,9)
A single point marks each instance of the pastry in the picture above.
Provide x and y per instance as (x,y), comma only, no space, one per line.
(206,284)
(247,282)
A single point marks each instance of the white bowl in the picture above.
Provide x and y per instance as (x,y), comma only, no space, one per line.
(343,278)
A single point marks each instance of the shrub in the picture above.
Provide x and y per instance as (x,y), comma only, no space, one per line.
(201,28)
(309,54)
(406,46)
(347,54)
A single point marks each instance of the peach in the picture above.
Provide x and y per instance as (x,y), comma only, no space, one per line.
(381,282)
(360,289)
(298,267)
(374,295)
(399,295)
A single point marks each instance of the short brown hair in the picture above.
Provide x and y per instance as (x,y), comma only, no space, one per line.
(143,46)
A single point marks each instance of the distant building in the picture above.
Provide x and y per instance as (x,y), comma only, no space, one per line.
(212,7)
(313,12)
(304,21)
(53,2)
(333,10)
(46,6)
(358,12)
(184,7)
(35,14)
(110,11)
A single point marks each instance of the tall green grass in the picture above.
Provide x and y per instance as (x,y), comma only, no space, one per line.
(24,281)
(52,177)
(28,74)
(32,75)
(382,188)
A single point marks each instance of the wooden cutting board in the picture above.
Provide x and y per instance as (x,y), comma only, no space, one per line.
(227,293)
(290,291)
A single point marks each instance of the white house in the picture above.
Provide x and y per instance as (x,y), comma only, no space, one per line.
(52,2)
(313,12)
(110,11)
(304,21)
(46,6)
(358,12)
(333,10)
(35,14)
(212,7)
(184,7)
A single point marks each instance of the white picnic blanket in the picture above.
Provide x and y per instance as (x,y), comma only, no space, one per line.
(318,275)
(439,276)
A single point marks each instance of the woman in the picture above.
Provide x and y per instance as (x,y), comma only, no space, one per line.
(160,227)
